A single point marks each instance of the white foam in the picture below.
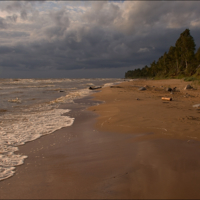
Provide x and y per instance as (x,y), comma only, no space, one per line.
(110,84)
(71,96)
(16,130)
(6,172)
(32,81)
(90,84)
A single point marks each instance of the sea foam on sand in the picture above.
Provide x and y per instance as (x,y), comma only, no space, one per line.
(20,129)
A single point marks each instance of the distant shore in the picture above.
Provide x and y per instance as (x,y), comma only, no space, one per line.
(133,145)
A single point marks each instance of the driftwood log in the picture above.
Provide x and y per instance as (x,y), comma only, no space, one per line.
(94,88)
(166,99)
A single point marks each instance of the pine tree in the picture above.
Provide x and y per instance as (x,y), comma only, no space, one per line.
(172,61)
(185,47)
(153,68)
(165,66)
(197,59)
(180,59)
(197,55)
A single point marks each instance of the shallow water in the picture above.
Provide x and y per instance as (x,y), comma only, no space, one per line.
(29,108)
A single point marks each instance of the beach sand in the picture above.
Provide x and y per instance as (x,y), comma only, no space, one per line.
(124,149)
(128,110)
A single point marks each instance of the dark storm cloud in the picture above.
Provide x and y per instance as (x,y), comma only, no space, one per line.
(13,34)
(109,50)
(5,50)
(102,35)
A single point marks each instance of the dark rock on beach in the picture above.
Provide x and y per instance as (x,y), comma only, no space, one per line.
(188,87)
(169,89)
(174,89)
(95,88)
(142,88)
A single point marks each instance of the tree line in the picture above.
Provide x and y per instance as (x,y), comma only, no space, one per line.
(180,60)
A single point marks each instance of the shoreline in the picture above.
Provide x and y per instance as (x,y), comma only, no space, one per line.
(91,160)
(32,113)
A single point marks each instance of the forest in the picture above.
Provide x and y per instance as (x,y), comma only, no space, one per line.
(180,61)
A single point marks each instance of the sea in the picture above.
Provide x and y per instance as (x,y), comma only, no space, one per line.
(30,108)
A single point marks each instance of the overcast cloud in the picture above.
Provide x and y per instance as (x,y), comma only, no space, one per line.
(89,39)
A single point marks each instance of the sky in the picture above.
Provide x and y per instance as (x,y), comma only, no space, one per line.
(89,39)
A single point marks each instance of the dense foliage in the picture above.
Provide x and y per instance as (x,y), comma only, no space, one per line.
(180,60)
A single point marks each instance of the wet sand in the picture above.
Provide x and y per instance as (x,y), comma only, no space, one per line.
(118,151)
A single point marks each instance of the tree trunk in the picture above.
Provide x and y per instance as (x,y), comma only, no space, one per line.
(177,67)
(186,64)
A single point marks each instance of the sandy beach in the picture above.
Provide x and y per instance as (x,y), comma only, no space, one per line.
(133,145)
(128,110)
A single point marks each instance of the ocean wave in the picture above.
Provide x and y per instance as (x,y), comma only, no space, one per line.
(71,96)
(16,130)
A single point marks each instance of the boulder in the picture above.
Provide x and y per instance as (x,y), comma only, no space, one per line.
(169,89)
(174,89)
(188,87)
(142,88)
(94,88)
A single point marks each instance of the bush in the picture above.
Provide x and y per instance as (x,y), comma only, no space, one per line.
(190,78)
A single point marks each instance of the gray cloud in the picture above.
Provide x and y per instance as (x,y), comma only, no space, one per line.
(102,13)
(13,34)
(3,23)
(95,35)
(12,18)
(60,23)
(23,15)
(13,6)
